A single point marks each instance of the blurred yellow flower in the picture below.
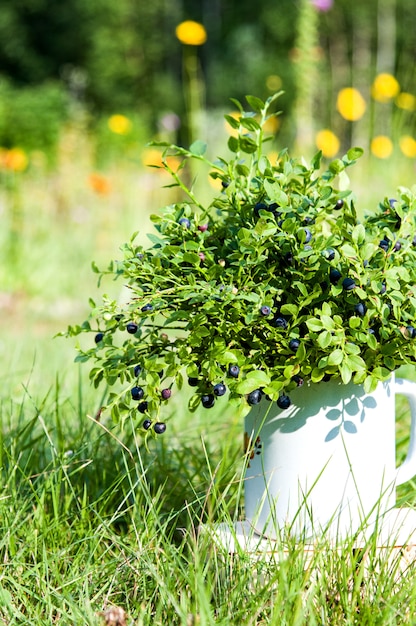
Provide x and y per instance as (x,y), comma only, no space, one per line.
(152,157)
(385,87)
(381,146)
(14,159)
(350,104)
(271,125)
(406,101)
(328,142)
(119,124)
(191,33)
(408,146)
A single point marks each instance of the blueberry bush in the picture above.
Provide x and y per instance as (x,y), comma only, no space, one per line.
(274,283)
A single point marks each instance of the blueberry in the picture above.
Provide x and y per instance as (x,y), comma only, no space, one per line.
(283,402)
(384,244)
(146,424)
(254,397)
(132,328)
(137,370)
(208,400)
(146,308)
(411,332)
(298,380)
(308,235)
(137,393)
(348,284)
(98,337)
(334,275)
(193,382)
(233,371)
(142,407)
(397,246)
(279,322)
(330,254)
(159,428)
(260,206)
(166,394)
(383,288)
(360,309)
(220,389)
(203,228)
(294,344)
(265,310)
(184,222)
(392,202)
(339,204)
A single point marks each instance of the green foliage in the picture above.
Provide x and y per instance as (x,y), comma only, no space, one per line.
(277,275)
(32,117)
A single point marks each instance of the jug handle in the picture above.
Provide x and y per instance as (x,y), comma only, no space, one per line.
(407,469)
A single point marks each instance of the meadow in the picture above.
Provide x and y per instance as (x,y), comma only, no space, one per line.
(90,518)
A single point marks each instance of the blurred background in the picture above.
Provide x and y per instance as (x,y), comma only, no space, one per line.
(84,86)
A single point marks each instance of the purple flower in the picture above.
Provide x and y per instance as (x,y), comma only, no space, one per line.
(322,5)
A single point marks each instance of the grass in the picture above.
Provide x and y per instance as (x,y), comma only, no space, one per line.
(89,518)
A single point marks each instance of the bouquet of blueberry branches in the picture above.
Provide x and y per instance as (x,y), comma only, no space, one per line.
(273,284)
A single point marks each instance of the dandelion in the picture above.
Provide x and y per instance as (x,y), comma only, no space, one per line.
(385,87)
(407,145)
(350,104)
(406,101)
(99,183)
(327,142)
(119,124)
(381,146)
(191,33)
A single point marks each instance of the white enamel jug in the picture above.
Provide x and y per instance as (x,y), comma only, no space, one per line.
(327,463)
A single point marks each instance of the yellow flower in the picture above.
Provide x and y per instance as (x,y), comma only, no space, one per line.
(273,82)
(191,33)
(406,101)
(14,159)
(152,157)
(381,146)
(272,125)
(99,183)
(408,146)
(385,87)
(350,104)
(328,142)
(119,124)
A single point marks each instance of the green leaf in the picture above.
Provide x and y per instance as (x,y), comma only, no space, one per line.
(346,373)
(255,379)
(233,144)
(198,147)
(354,153)
(232,121)
(255,103)
(314,324)
(324,339)
(336,357)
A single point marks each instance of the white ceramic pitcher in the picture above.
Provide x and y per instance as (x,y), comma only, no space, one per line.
(327,463)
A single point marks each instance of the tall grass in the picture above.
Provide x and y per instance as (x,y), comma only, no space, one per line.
(89,517)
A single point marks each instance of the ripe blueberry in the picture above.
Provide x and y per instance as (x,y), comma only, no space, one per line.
(208,400)
(308,235)
(283,402)
(294,344)
(233,371)
(137,370)
(348,284)
(279,322)
(265,310)
(384,244)
(184,222)
(330,254)
(360,309)
(98,337)
(146,424)
(339,204)
(334,275)
(137,393)
(411,332)
(397,246)
(193,382)
(147,307)
(132,328)
(166,394)
(220,389)
(159,428)
(260,206)
(254,397)
(298,380)
(142,407)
